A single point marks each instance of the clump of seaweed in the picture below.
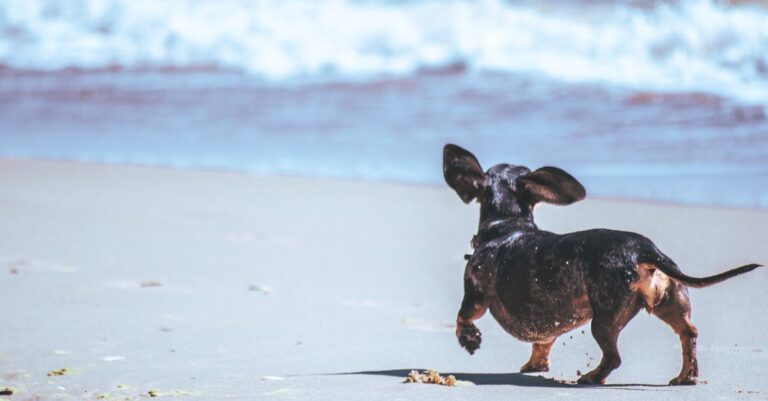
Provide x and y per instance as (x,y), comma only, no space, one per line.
(430,377)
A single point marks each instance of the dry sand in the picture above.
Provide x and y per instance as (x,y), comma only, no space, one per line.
(217,286)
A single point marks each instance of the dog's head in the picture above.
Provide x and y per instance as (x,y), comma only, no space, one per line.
(507,190)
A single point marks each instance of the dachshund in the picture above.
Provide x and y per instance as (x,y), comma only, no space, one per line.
(539,285)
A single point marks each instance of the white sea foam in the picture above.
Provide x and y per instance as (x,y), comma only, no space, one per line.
(693,45)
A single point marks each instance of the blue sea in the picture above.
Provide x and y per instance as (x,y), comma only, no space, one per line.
(653,100)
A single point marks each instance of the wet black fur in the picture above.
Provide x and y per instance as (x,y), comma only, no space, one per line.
(539,285)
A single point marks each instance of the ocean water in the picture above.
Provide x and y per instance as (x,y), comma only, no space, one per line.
(655,100)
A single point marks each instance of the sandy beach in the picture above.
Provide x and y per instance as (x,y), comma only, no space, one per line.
(121,283)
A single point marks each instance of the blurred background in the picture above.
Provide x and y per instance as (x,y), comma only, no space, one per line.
(654,100)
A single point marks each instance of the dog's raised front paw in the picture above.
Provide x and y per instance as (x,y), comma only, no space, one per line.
(469,337)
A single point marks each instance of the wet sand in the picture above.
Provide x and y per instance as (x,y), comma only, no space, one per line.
(217,286)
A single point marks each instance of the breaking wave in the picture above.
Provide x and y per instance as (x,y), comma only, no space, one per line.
(686,46)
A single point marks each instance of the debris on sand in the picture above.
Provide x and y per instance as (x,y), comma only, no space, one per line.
(59,372)
(151,283)
(264,289)
(12,376)
(172,393)
(13,267)
(430,377)
(6,391)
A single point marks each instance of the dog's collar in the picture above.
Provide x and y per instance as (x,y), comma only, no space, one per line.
(495,223)
(497,227)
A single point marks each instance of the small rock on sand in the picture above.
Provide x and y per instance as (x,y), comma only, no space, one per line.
(264,289)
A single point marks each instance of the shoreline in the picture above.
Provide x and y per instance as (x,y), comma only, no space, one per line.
(351,179)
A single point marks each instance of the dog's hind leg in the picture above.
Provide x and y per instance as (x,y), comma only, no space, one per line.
(473,307)
(606,326)
(675,310)
(539,361)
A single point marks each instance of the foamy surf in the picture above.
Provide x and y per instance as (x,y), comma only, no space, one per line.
(689,46)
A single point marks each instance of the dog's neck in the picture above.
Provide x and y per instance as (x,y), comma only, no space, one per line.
(498,227)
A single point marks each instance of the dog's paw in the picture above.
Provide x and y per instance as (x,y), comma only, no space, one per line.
(591,378)
(683,381)
(469,337)
(532,367)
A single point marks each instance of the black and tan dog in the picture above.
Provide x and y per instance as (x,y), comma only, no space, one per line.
(539,285)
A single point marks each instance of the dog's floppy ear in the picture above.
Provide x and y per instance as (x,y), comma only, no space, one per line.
(463,173)
(551,185)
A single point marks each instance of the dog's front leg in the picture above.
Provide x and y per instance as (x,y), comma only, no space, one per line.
(473,307)
(539,361)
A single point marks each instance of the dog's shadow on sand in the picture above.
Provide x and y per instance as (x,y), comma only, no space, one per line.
(511,379)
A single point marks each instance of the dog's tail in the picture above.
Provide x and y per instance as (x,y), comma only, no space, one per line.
(700,282)
(653,256)
(668,267)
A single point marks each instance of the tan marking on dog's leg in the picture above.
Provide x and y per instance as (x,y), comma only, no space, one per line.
(690,371)
(652,284)
(676,311)
(539,361)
